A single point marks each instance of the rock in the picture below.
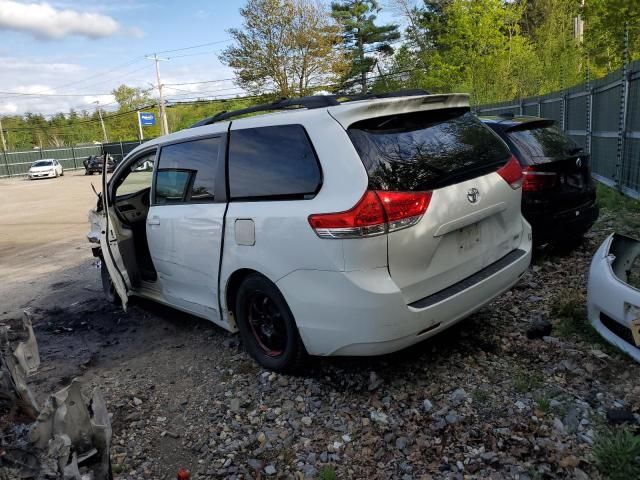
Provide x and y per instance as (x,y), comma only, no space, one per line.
(306,421)
(539,329)
(374,381)
(618,416)
(379,417)
(558,426)
(137,402)
(401,443)
(452,418)
(460,466)
(571,419)
(234,405)
(262,438)
(458,396)
(520,405)
(489,457)
(256,464)
(270,470)
(427,406)
(580,474)
(569,461)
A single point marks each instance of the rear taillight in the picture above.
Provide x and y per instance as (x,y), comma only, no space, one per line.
(537,181)
(376,213)
(512,173)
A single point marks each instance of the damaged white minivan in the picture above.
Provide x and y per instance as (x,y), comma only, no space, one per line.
(334,226)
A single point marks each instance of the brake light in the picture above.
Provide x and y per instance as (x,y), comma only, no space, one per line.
(536,181)
(512,173)
(376,213)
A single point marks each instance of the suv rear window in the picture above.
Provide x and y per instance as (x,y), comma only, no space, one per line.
(425,150)
(542,141)
(276,163)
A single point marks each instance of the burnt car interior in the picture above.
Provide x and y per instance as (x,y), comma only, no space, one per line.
(131,198)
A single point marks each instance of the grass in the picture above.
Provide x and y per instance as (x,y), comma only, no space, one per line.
(327,473)
(544,404)
(569,306)
(617,454)
(480,396)
(526,381)
(612,199)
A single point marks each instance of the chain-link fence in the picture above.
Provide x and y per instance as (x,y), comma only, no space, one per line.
(15,164)
(602,116)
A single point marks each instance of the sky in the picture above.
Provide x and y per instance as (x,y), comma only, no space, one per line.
(86,49)
(73,53)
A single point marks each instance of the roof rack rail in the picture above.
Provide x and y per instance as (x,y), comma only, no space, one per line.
(310,102)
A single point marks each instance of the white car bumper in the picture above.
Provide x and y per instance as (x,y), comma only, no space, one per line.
(613,305)
(364,313)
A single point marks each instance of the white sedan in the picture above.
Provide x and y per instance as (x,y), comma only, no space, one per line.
(48,167)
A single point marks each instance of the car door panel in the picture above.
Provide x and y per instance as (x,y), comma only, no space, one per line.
(185,232)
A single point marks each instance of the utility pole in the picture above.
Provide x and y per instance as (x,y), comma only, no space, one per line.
(4,143)
(104,130)
(139,125)
(164,128)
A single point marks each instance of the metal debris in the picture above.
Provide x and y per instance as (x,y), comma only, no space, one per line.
(68,438)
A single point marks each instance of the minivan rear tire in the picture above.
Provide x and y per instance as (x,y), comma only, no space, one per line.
(267,326)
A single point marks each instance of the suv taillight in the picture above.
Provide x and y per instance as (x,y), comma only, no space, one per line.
(376,213)
(537,181)
(512,173)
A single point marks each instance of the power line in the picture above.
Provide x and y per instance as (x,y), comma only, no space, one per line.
(196,46)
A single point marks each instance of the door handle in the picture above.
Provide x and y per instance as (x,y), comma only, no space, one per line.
(153,221)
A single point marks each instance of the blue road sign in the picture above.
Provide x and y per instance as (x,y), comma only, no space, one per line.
(147,119)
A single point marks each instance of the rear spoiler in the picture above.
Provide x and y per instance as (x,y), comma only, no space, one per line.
(528,125)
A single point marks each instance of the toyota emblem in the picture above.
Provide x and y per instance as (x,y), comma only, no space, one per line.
(579,162)
(473,195)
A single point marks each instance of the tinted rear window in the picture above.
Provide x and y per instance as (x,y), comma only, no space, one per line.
(426,150)
(543,142)
(272,163)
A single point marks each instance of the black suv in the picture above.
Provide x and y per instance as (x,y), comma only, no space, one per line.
(558,193)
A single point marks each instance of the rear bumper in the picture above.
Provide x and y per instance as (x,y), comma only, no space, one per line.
(613,304)
(549,225)
(364,312)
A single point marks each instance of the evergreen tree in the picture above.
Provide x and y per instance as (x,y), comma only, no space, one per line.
(361,37)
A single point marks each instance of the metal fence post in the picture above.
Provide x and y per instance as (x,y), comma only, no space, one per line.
(622,120)
(121,151)
(539,107)
(6,163)
(73,155)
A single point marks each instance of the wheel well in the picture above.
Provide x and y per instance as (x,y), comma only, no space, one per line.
(233,284)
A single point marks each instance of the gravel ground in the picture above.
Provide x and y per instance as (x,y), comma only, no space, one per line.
(481,400)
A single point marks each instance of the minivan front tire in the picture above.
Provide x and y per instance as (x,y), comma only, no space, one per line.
(267,326)
(108,288)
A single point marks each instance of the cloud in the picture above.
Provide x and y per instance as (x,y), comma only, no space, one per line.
(46,22)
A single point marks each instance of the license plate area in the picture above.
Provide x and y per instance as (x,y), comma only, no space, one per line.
(469,237)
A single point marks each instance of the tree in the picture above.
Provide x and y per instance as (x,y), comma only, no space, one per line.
(130,98)
(286,46)
(361,36)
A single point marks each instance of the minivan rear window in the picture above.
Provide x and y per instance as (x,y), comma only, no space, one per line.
(425,150)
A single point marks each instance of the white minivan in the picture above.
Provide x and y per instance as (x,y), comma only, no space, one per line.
(327,228)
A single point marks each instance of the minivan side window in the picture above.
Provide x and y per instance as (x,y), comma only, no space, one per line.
(187,172)
(275,163)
